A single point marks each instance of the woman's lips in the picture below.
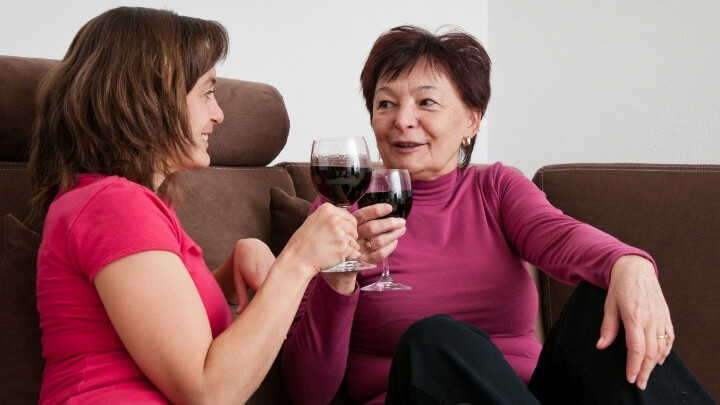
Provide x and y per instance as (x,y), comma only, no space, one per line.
(406,146)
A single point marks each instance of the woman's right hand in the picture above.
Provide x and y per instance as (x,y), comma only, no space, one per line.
(327,237)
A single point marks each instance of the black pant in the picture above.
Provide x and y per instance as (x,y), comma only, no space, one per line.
(442,361)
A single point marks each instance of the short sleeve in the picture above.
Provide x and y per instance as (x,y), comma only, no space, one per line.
(119,220)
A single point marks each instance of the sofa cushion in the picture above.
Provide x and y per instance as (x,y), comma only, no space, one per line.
(287,213)
(224,204)
(18,80)
(256,124)
(300,173)
(21,361)
(16,192)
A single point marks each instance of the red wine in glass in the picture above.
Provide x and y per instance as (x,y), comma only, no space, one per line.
(340,169)
(391,186)
(401,201)
(340,185)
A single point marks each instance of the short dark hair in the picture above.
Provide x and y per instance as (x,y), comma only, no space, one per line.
(116,104)
(456,53)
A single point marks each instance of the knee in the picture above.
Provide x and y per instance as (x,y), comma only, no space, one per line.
(436,330)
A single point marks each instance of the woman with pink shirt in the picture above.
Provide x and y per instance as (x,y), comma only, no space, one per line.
(129,311)
(465,331)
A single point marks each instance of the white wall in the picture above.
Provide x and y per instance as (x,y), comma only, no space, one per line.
(604,81)
(573,81)
(312,51)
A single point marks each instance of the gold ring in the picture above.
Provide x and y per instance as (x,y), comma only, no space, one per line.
(663,336)
(368,245)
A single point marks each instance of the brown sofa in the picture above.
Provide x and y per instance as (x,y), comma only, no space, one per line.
(671,211)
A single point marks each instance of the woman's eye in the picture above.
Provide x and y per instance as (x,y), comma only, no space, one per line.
(210,93)
(427,101)
(384,104)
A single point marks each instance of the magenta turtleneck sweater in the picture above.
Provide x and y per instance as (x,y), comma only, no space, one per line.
(468,237)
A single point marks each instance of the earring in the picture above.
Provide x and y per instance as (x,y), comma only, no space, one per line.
(466,141)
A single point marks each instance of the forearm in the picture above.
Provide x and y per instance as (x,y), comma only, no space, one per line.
(317,349)
(242,355)
(224,277)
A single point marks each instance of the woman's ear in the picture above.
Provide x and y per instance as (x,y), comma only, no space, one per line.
(474,118)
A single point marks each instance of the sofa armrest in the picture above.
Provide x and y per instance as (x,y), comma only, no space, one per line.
(671,212)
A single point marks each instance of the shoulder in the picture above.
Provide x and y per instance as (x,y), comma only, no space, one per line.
(107,200)
(118,195)
(496,175)
(114,188)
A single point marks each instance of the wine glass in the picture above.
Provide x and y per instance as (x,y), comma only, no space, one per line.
(391,186)
(340,169)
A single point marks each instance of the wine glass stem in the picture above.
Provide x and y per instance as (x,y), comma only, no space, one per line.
(385,277)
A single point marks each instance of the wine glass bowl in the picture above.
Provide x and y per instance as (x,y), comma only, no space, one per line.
(340,169)
(338,179)
(390,186)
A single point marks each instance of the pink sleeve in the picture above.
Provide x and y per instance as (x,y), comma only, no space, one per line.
(119,221)
(566,249)
(315,353)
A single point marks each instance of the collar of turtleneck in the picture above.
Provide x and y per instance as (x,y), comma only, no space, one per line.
(435,191)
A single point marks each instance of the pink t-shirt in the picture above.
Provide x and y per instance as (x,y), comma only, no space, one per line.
(99,221)
(469,236)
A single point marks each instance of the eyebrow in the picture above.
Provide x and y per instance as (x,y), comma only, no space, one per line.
(387,89)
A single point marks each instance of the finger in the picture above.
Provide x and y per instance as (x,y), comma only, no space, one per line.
(609,328)
(378,241)
(352,254)
(368,245)
(371,212)
(243,295)
(635,340)
(353,248)
(649,360)
(380,246)
(378,254)
(666,347)
(383,226)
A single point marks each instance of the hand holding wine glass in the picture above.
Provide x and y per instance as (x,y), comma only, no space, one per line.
(391,186)
(340,169)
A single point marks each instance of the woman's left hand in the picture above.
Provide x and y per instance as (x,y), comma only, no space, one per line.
(636,302)
(245,269)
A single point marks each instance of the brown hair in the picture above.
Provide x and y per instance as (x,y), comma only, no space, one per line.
(116,104)
(456,54)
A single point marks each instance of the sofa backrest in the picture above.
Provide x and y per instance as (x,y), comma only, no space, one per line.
(673,213)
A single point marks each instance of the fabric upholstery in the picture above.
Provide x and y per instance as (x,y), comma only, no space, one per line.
(15,189)
(18,79)
(287,213)
(223,204)
(300,173)
(255,129)
(21,361)
(670,211)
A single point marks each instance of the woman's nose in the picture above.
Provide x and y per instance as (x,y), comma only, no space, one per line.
(406,117)
(217,114)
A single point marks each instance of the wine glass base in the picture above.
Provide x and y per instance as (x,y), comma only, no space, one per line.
(350,265)
(386,286)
